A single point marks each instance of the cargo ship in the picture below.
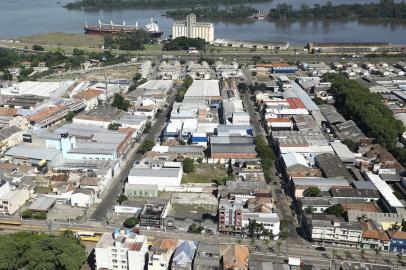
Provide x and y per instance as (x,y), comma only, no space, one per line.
(113,29)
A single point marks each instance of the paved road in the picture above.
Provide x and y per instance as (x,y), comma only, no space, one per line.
(109,199)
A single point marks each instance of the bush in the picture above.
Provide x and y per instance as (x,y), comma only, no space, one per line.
(336,210)
(188,165)
(312,192)
(113,126)
(130,222)
(37,48)
(195,228)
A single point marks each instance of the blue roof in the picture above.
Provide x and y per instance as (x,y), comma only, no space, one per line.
(184,253)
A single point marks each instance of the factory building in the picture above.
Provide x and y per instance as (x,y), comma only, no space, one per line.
(193,29)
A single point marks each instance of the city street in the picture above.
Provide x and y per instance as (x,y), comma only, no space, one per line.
(116,189)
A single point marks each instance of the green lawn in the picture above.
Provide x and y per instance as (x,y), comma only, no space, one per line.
(42,190)
(205,173)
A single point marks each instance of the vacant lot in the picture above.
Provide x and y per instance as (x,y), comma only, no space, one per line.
(205,173)
(64,40)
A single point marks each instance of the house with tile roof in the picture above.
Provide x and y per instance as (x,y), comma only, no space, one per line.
(235,257)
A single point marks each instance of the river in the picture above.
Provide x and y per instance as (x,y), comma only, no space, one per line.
(27,17)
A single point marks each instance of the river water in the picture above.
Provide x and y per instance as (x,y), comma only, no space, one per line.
(27,17)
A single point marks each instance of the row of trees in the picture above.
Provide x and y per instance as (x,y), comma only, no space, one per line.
(187,82)
(121,4)
(266,154)
(29,251)
(10,58)
(355,102)
(184,43)
(131,41)
(214,12)
(385,9)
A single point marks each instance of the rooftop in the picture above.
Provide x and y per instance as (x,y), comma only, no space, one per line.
(204,88)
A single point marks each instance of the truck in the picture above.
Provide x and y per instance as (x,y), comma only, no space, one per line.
(295,262)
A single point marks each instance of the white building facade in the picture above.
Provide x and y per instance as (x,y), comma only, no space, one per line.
(193,29)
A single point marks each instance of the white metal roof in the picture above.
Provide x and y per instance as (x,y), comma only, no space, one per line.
(385,190)
(204,88)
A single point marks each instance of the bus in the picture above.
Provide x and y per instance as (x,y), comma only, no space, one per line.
(88,236)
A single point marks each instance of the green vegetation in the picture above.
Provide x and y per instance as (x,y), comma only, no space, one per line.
(43,190)
(187,82)
(130,222)
(266,154)
(133,41)
(184,43)
(37,48)
(312,192)
(10,58)
(206,173)
(122,198)
(188,165)
(146,146)
(195,228)
(355,102)
(353,146)
(120,102)
(6,75)
(123,4)
(209,61)
(385,9)
(113,126)
(29,251)
(240,13)
(34,215)
(336,210)
(69,116)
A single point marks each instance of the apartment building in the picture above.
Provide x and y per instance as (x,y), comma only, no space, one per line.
(121,250)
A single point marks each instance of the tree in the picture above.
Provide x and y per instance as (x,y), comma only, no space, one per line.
(195,228)
(353,146)
(130,222)
(37,48)
(188,165)
(146,146)
(40,252)
(184,43)
(6,75)
(336,210)
(309,210)
(69,116)
(347,254)
(399,258)
(122,198)
(147,128)
(120,102)
(278,246)
(362,254)
(114,126)
(312,192)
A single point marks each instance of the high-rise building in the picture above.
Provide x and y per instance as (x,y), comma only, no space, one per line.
(193,29)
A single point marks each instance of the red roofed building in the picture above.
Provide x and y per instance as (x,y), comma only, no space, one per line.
(295,103)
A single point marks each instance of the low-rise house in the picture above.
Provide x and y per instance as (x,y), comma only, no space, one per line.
(207,257)
(373,237)
(12,201)
(184,255)
(397,241)
(160,254)
(121,250)
(82,197)
(9,137)
(235,257)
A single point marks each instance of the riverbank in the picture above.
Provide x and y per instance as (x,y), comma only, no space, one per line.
(159,4)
